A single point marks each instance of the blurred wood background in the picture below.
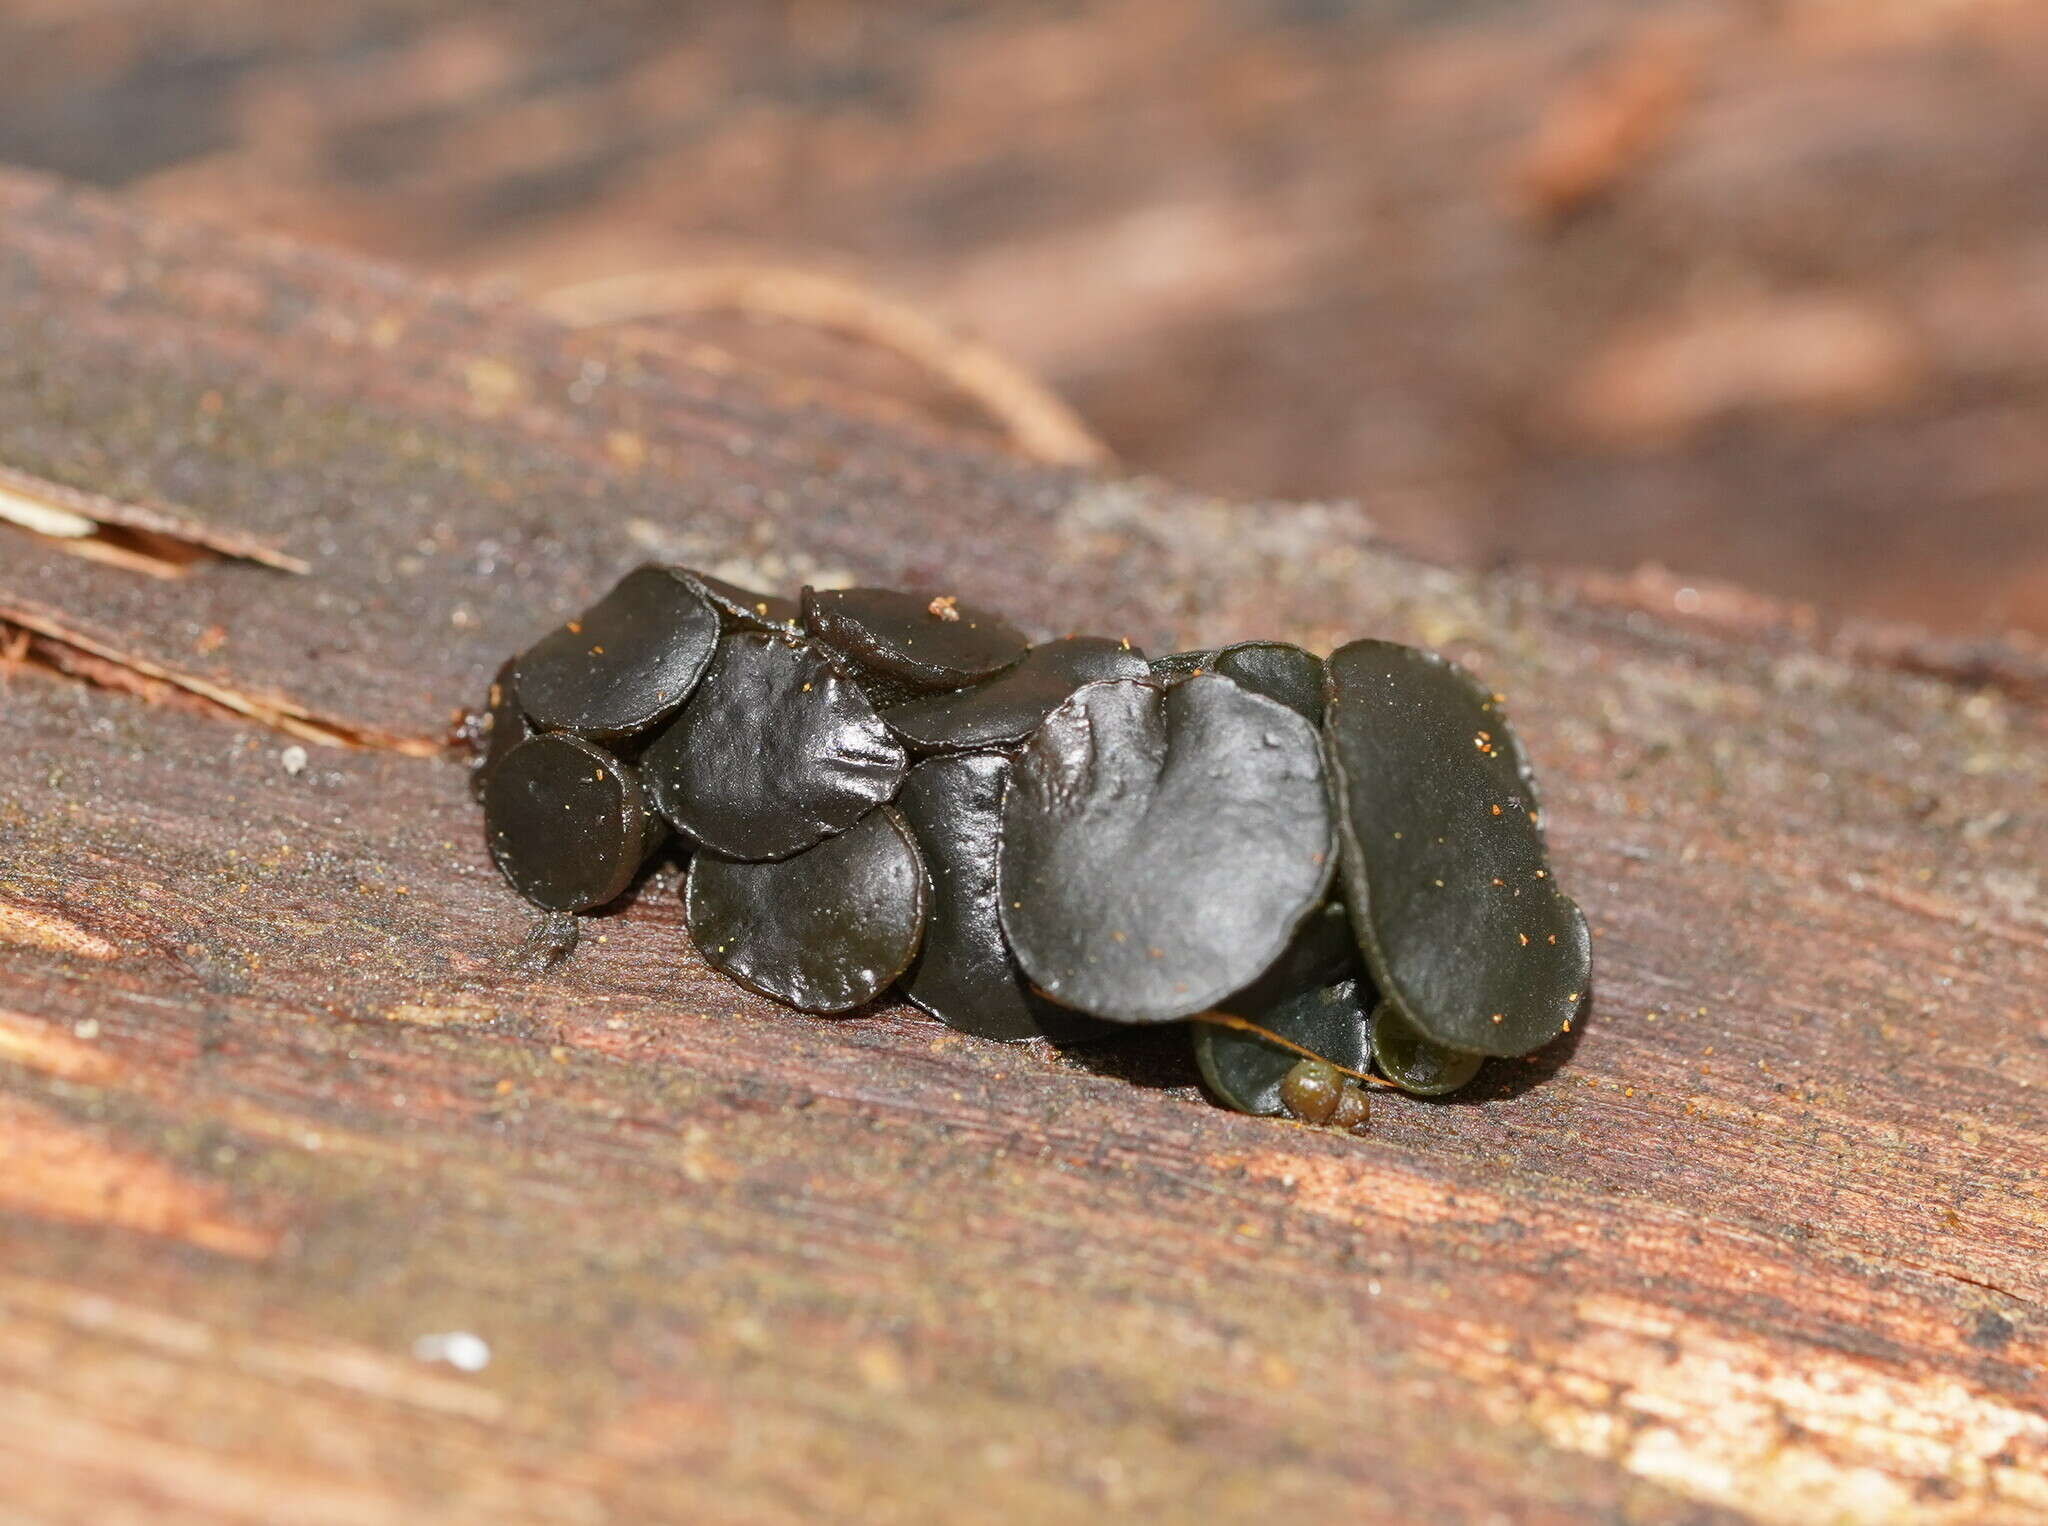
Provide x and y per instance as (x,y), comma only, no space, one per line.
(1756,289)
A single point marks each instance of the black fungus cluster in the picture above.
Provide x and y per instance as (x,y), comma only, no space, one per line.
(1331,864)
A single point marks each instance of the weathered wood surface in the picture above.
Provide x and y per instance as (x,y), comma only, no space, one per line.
(1752,289)
(1765,1240)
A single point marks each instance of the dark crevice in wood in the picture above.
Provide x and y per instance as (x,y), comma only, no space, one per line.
(26,642)
(22,650)
(154,539)
(143,551)
(1963,1279)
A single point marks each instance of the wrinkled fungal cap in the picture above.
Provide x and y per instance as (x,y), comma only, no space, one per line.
(965,975)
(1161,846)
(775,751)
(1007,708)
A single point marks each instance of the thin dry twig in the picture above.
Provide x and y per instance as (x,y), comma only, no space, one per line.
(1037,421)
(158,539)
(1246,1025)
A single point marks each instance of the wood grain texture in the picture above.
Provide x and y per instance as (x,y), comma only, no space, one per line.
(1765,1239)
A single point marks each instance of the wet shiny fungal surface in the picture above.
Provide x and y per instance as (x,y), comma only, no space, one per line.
(1161,846)
(1279,671)
(885,791)
(1464,926)
(742,608)
(503,727)
(1244,1071)
(1175,666)
(1323,951)
(965,975)
(826,931)
(567,822)
(776,750)
(924,641)
(1415,1064)
(1007,708)
(623,665)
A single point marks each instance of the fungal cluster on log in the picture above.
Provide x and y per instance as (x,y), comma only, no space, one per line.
(1329,865)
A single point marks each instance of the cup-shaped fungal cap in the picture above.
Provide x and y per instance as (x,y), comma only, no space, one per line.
(1244,1071)
(625,664)
(502,727)
(1323,951)
(1461,919)
(740,608)
(926,641)
(1279,671)
(567,822)
(965,974)
(776,750)
(1007,708)
(1312,1090)
(1175,666)
(1162,846)
(1413,1062)
(825,931)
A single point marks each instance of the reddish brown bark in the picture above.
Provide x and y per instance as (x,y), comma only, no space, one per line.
(1765,1239)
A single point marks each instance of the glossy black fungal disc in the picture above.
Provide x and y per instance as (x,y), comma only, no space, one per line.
(924,641)
(965,975)
(776,750)
(1161,846)
(1244,1072)
(1444,871)
(623,665)
(742,608)
(1008,708)
(1278,671)
(567,822)
(825,931)
(1323,951)
(1415,1064)
(503,728)
(1175,666)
